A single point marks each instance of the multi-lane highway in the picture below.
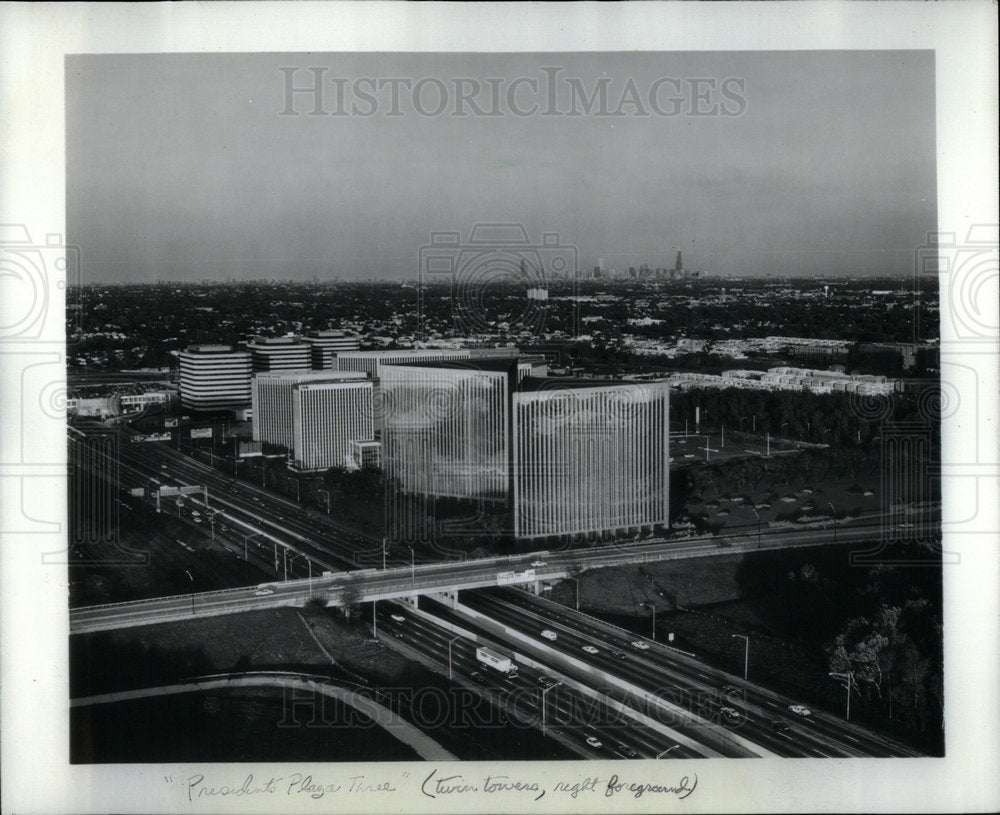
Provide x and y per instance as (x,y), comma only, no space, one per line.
(757,714)
(532,697)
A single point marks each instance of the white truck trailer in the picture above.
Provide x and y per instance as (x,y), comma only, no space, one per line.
(496,660)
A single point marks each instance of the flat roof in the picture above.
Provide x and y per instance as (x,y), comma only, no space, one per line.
(213,349)
(498,364)
(532,384)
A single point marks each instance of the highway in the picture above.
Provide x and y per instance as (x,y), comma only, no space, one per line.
(764,717)
(569,715)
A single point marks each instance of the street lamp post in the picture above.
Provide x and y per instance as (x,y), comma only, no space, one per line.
(413,567)
(653,609)
(576,588)
(374,622)
(384,543)
(834,511)
(849,676)
(326,494)
(664,752)
(544,692)
(754,511)
(450,643)
(746,653)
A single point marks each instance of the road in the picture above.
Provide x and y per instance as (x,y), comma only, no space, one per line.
(569,715)
(764,717)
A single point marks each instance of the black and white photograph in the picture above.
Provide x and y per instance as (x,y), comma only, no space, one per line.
(444,428)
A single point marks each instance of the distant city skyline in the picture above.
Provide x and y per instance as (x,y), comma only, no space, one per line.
(812,164)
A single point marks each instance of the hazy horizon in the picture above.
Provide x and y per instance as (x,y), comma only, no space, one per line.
(808,164)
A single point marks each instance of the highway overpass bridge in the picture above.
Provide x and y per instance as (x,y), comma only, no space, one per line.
(395,582)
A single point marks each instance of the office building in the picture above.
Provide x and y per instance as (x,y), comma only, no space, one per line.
(371,362)
(446,426)
(568,457)
(325,345)
(214,377)
(288,353)
(272,402)
(589,457)
(327,417)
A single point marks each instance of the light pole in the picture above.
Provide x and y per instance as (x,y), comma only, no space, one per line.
(849,676)
(653,608)
(834,511)
(576,587)
(326,493)
(754,511)
(664,752)
(385,542)
(245,538)
(450,643)
(746,653)
(374,622)
(413,567)
(292,562)
(544,692)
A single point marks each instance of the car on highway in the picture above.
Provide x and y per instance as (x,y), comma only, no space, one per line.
(590,649)
(479,677)
(546,681)
(619,655)
(639,645)
(800,710)
(595,742)
(263,592)
(731,713)
(196,520)
(537,564)
(779,726)
(397,618)
(549,635)
(625,751)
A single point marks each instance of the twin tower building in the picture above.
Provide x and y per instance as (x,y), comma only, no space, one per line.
(567,457)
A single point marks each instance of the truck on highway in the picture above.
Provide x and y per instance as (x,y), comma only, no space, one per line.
(495,660)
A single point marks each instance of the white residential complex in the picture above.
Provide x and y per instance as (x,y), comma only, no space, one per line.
(784,378)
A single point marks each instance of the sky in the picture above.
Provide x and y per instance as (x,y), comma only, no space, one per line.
(197,167)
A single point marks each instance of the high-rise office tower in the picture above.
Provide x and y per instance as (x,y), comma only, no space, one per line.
(272,400)
(327,417)
(589,456)
(288,353)
(214,377)
(567,456)
(446,426)
(325,345)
